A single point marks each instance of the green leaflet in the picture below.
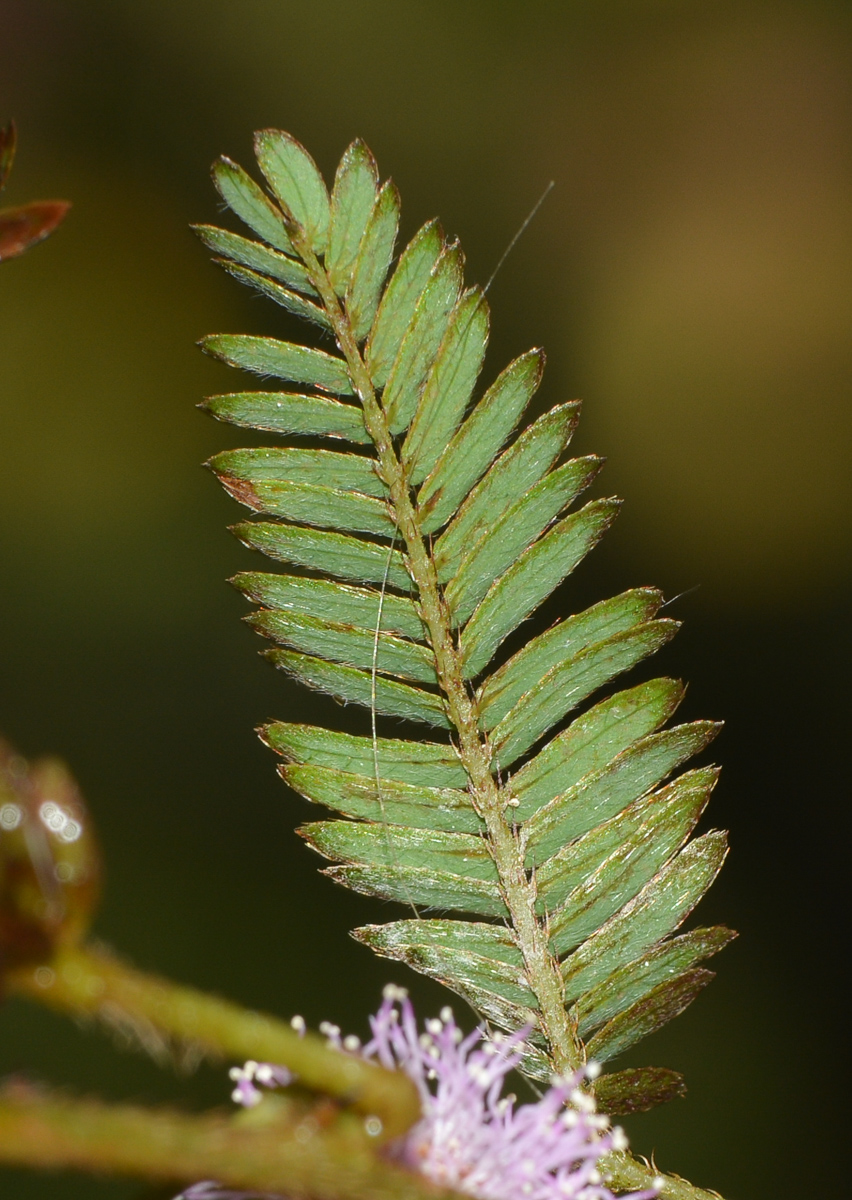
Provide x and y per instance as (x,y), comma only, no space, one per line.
(648,823)
(428,887)
(243,196)
(286,412)
(490,941)
(658,909)
(313,505)
(514,531)
(369,844)
(561,643)
(385,800)
(631,983)
(334,553)
(256,256)
(351,685)
(629,866)
(638,1089)
(599,797)
(352,198)
(530,580)
(592,740)
(466,530)
(283,360)
(292,301)
(517,470)
(347,644)
(666,1001)
(423,763)
(422,339)
(475,445)
(298,186)
(487,984)
(372,262)
(337,602)
(567,684)
(480,962)
(325,468)
(400,300)
(449,385)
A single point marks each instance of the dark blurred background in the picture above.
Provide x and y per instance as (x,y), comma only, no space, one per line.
(691,278)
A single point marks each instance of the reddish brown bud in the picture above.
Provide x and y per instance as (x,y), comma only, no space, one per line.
(49,861)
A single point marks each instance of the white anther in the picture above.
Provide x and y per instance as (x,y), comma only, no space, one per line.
(619,1138)
(593,1070)
(447,1014)
(392,992)
(352,1043)
(434,1026)
(298,1023)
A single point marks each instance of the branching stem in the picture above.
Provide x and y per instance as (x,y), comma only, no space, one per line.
(289,1150)
(162,1016)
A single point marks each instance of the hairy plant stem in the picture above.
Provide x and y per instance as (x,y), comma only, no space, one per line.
(505,843)
(291,1150)
(165,1018)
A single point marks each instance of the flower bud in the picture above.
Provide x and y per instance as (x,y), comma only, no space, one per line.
(49,860)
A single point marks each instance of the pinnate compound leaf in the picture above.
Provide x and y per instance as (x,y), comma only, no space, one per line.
(410,565)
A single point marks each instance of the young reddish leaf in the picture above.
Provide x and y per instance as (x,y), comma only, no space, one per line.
(27,224)
(8,141)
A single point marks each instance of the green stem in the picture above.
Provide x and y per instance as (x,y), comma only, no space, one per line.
(161,1015)
(292,1155)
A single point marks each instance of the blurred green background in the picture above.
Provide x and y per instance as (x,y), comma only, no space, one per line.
(691,278)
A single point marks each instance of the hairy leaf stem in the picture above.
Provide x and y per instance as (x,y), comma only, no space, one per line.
(164,1017)
(297,1151)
